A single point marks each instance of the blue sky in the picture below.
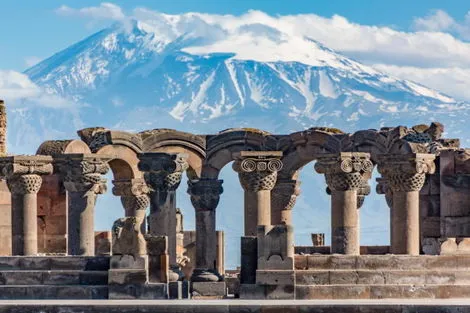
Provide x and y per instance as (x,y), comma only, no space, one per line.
(32,30)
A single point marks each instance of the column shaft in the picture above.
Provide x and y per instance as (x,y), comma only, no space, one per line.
(30,224)
(81,225)
(405,223)
(264,207)
(24,224)
(344,222)
(251,213)
(206,240)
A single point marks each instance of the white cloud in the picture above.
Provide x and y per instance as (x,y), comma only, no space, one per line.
(452,81)
(440,21)
(17,89)
(105,11)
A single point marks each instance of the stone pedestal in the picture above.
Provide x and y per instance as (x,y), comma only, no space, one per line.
(345,173)
(205,195)
(405,175)
(82,176)
(162,173)
(24,180)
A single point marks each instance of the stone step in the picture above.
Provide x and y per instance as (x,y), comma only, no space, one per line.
(382,262)
(382,277)
(80,263)
(13,292)
(382,291)
(58,277)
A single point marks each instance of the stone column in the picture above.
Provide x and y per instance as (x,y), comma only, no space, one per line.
(3,129)
(405,176)
(82,177)
(162,173)
(257,171)
(23,174)
(205,194)
(134,197)
(345,173)
(283,197)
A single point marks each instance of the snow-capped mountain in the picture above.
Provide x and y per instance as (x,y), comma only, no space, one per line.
(204,73)
(189,69)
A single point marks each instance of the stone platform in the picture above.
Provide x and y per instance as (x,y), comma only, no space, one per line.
(235,306)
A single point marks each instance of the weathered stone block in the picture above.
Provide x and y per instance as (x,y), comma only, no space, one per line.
(252,292)
(275,249)
(208,289)
(341,277)
(440,277)
(280,292)
(127,276)
(61,278)
(143,292)
(404,277)
(309,277)
(304,292)
(440,262)
(370,277)
(275,277)
(128,262)
(300,262)
(178,290)
(127,236)
(21,278)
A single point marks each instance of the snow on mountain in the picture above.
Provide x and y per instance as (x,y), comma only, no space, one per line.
(199,73)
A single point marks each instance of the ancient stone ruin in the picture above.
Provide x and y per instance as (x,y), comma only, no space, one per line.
(50,248)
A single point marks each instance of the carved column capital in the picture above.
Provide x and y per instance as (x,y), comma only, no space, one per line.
(130,187)
(83,172)
(382,188)
(162,171)
(344,171)
(23,173)
(285,193)
(406,172)
(205,193)
(257,170)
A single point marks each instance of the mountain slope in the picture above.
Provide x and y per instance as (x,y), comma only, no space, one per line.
(193,77)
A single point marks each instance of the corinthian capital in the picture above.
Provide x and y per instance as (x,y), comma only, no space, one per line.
(257,170)
(345,170)
(205,193)
(162,171)
(406,172)
(83,172)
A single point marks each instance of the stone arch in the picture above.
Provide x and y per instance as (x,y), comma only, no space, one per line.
(122,146)
(305,147)
(221,147)
(173,141)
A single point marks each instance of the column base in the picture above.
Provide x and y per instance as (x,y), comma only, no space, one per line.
(206,275)
(175,274)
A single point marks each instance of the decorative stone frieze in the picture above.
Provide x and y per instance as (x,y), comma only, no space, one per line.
(23,176)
